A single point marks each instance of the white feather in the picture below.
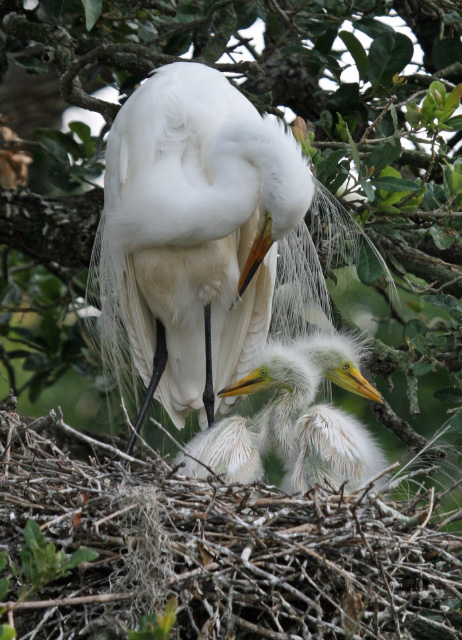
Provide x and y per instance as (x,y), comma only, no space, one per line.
(190,168)
(229,448)
(333,447)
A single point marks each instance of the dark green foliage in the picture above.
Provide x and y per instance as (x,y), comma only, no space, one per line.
(40,561)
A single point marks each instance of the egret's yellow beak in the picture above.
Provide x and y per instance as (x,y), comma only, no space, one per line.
(352,380)
(261,246)
(250,384)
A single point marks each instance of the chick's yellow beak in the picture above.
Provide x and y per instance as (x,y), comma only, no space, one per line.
(250,384)
(261,245)
(352,380)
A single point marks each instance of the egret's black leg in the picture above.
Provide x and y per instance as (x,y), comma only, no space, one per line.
(160,360)
(209,396)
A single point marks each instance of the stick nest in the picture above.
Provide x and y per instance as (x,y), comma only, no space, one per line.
(242,561)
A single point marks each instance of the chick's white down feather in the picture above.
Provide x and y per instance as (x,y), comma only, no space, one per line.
(191,168)
(317,444)
(229,448)
(332,448)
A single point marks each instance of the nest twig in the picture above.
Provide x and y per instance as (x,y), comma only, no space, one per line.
(243,561)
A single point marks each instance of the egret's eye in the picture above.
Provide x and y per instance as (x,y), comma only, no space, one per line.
(263,373)
(345,366)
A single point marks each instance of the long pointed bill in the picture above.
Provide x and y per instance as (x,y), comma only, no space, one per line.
(261,245)
(352,380)
(250,384)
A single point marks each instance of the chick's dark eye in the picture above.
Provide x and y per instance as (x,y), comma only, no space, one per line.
(345,366)
(263,373)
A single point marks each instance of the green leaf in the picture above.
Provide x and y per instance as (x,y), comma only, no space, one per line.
(446,51)
(81,555)
(7,632)
(246,15)
(83,131)
(33,553)
(329,166)
(4,585)
(368,265)
(372,27)
(37,362)
(156,626)
(421,345)
(384,155)
(452,101)
(341,128)
(455,123)
(346,100)
(449,394)
(368,190)
(3,560)
(33,535)
(413,114)
(441,239)
(92,12)
(327,120)
(52,8)
(446,302)
(389,54)
(60,143)
(413,328)
(396,264)
(357,51)
(421,368)
(391,185)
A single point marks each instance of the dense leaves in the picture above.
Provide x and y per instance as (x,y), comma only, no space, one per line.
(42,563)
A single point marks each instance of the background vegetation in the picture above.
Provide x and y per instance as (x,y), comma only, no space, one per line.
(379,84)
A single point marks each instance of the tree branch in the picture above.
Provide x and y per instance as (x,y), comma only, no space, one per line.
(54,231)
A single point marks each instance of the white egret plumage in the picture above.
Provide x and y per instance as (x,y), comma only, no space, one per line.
(235,445)
(232,448)
(332,447)
(316,443)
(339,356)
(198,186)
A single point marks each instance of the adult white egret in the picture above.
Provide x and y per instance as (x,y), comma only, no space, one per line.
(198,187)
(234,446)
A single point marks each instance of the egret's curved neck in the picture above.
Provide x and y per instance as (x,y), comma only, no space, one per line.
(246,148)
(286,409)
(278,416)
(196,193)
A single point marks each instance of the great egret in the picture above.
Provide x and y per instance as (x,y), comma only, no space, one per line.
(336,356)
(198,187)
(230,448)
(234,446)
(339,356)
(332,447)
